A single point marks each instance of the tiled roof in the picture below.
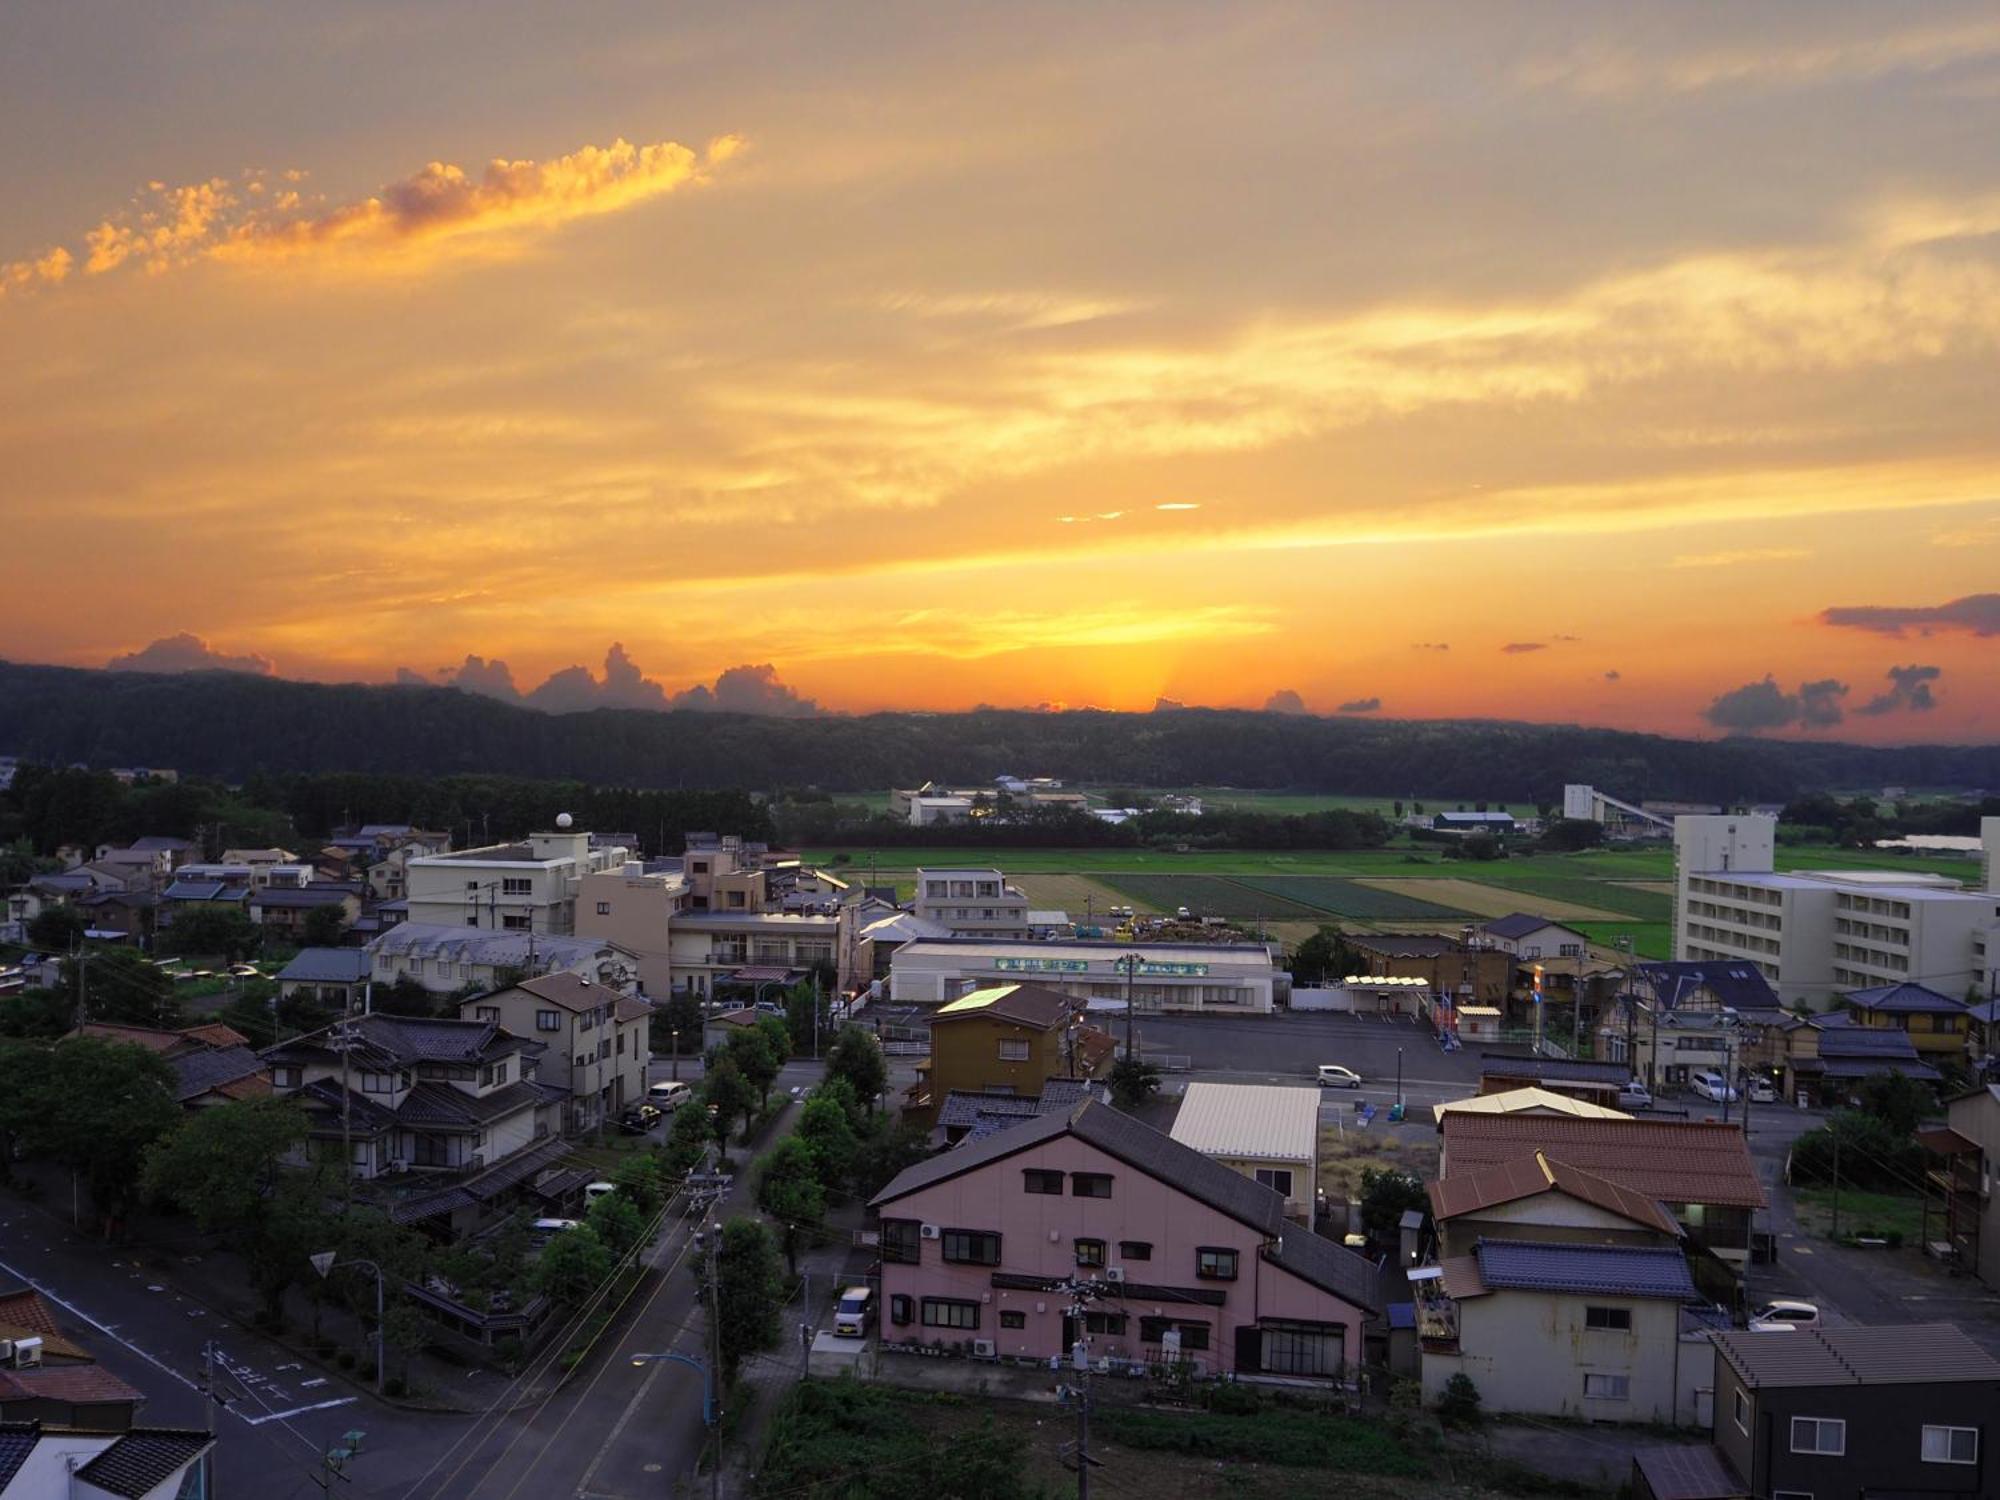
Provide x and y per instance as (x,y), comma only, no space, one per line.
(144,1459)
(17,1445)
(326,966)
(965,1108)
(322,1103)
(1332,1268)
(1404,945)
(197,1073)
(154,843)
(24,1312)
(1552,1069)
(1022,1004)
(484,1187)
(1528,1176)
(397,1041)
(1887,1354)
(79,1385)
(1519,924)
(572,992)
(1527,1099)
(470,945)
(441,1104)
(1905,1000)
(631,1009)
(1608,1270)
(303,898)
(1671,1161)
(1689,1471)
(205,890)
(1733,982)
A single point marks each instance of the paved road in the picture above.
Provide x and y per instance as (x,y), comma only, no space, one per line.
(1284,1048)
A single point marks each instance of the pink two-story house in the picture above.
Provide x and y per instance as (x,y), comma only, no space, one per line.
(976,1241)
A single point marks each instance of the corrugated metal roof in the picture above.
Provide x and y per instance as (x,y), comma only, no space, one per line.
(1691,1471)
(1672,1161)
(1892,1354)
(1526,1100)
(1249,1119)
(1528,1176)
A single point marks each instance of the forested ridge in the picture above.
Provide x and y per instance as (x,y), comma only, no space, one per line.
(236,727)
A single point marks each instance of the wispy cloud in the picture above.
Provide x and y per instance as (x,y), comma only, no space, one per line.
(1522,648)
(1742,555)
(1978,614)
(438,212)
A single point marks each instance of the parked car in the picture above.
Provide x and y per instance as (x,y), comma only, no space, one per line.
(1712,1085)
(1183,913)
(639,1118)
(668,1096)
(245,971)
(1763,1091)
(1635,1095)
(854,1313)
(1334,1076)
(548,1229)
(1784,1314)
(592,1191)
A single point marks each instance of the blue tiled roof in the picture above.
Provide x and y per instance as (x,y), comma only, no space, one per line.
(1905,999)
(1609,1270)
(327,966)
(1734,982)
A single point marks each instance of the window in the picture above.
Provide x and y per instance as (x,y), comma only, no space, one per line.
(547,1020)
(515,921)
(1741,1412)
(604,1049)
(486,1013)
(1791,1495)
(1606,1387)
(285,1078)
(1278,1179)
(1826,1435)
(1134,1250)
(1090,1184)
(1951,1445)
(971,1247)
(1013,1049)
(377,1083)
(1193,1335)
(899,1310)
(493,1073)
(621,1044)
(902,1242)
(1616,1319)
(604,908)
(1112,1324)
(473,920)
(1090,1252)
(1013,1320)
(1035,1181)
(516,885)
(1292,1348)
(1212,1264)
(949,1312)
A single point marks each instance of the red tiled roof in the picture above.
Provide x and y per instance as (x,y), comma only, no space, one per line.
(26,1312)
(1670,1161)
(83,1385)
(215,1034)
(1526,1176)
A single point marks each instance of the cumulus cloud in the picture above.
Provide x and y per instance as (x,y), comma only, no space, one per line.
(751,690)
(1614,675)
(1977,613)
(1759,706)
(739,690)
(476,674)
(1360,706)
(1909,688)
(1284,701)
(1521,648)
(1168,705)
(187,652)
(441,210)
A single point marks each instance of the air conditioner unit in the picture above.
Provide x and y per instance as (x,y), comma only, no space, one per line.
(399,1164)
(983,1348)
(1114,1273)
(927,1231)
(27,1354)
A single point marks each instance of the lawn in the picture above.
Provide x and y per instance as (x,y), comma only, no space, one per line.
(1869,1214)
(1649,939)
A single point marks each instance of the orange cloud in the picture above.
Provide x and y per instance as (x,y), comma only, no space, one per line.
(439,211)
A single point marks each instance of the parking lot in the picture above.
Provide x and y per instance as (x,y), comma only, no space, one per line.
(1289,1048)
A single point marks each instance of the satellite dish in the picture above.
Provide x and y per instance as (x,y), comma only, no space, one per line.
(563,820)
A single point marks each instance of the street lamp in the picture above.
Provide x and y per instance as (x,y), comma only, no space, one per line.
(675,1034)
(324,1262)
(711,1415)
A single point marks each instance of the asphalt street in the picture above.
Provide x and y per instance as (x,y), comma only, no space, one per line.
(1289,1048)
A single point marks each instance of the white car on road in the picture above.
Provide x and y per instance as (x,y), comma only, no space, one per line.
(1334,1076)
(1784,1315)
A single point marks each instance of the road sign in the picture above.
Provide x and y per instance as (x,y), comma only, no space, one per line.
(322,1262)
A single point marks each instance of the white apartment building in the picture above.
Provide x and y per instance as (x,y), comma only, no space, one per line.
(1236,978)
(973,903)
(523,887)
(1814,934)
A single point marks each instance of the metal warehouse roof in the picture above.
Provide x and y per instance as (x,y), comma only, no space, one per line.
(1267,1121)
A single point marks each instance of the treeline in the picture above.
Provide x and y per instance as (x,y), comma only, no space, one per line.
(235,727)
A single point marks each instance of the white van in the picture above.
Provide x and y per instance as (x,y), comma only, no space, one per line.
(1711,1085)
(592,1191)
(668,1096)
(853,1314)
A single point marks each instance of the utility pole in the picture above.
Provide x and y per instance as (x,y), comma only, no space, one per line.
(1728,1077)
(715,1346)
(1081,1292)
(343,1040)
(1131,963)
(1835,1233)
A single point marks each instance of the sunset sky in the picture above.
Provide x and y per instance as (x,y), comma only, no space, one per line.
(1554,361)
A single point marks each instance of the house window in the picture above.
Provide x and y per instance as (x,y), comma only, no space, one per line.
(621,1044)
(1606,1387)
(1013,1049)
(1741,1411)
(515,885)
(1193,1335)
(473,920)
(1824,1435)
(1109,1323)
(515,921)
(899,1310)
(547,1020)
(1134,1250)
(1090,1184)
(1213,1264)
(486,1012)
(377,1083)
(604,908)
(971,1247)
(902,1242)
(949,1312)
(1036,1181)
(1013,1320)
(1090,1252)
(1302,1348)
(1277,1179)
(1612,1319)
(1951,1445)
(285,1078)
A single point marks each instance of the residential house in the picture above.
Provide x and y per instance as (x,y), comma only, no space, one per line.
(140,1463)
(259,859)
(1840,1414)
(1008,1038)
(336,978)
(966,1113)
(1531,1100)
(136,869)
(120,916)
(885,933)
(446,1119)
(597,1040)
(188,895)
(213,1063)
(972,903)
(175,852)
(284,912)
(48,1377)
(1233,978)
(529,886)
(1982,1024)
(1677,1019)
(1529,938)
(1457,972)
(1938,1026)
(1267,1132)
(1187,1259)
(1839,1054)
(443,959)
(1579,1078)
(1699,1170)
(1961,1184)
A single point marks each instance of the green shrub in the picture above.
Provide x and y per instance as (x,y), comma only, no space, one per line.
(1459,1405)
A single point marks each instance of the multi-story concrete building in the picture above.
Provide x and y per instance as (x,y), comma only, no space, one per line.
(1815,933)
(1236,978)
(1969,1145)
(972,903)
(523,887)
(443,959)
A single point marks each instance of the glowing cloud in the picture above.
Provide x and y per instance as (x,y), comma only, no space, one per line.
(1977,613)
(188,652)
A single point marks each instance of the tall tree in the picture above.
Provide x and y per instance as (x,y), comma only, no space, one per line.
(751,1050)
(219,1165)
(116,984)
(572,1264)
(96,1109)
(730,1098)
(224,932)
(790,1189)
(749,1289)
(323,927)
(825,1128)
(857,1060)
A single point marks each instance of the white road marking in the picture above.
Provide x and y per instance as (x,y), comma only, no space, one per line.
(307,1385)
(299,1411)
(104,1328)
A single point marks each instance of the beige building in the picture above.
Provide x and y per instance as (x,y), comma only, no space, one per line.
(1266,1132)
(972,903)
(596,1038)
(523,887)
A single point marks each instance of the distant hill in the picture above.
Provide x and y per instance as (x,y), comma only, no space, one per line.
(231,726)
